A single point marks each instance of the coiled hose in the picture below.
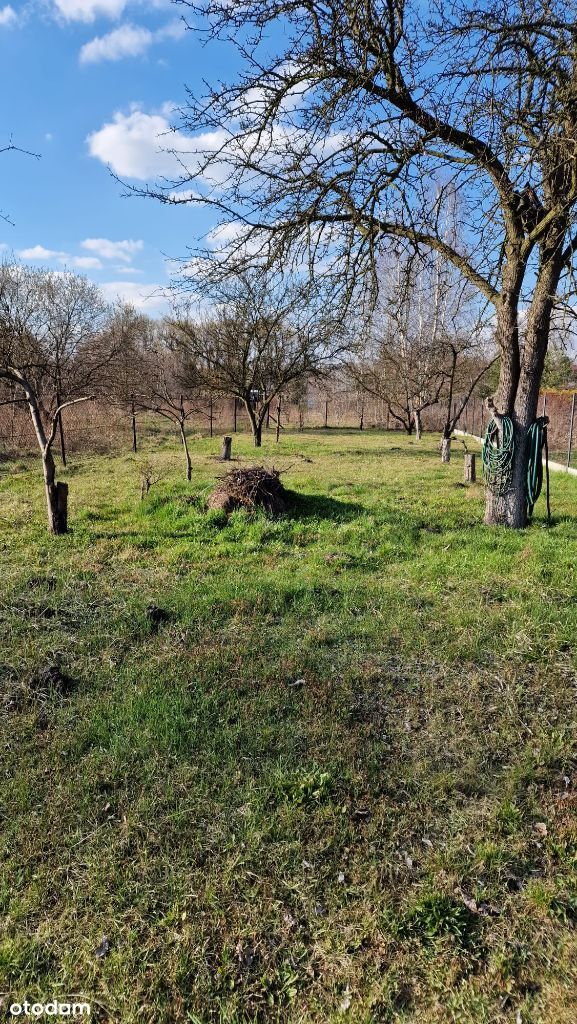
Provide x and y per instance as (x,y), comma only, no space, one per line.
(497,454)
(497,458)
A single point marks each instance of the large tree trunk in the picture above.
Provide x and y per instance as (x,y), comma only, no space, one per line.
(518,392)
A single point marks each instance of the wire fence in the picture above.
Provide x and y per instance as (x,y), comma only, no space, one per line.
(559,406)
(99,428)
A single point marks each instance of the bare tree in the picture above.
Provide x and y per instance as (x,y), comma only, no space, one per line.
(57,340)
(264,334)
(467,363)
(159,378)
(327,148)
(420,343)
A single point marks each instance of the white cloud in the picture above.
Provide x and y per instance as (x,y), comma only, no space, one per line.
(8,16)
(109,250)
(85,262)
(88,10)
(143,146)
(38,252)
(153,298)
(126,41)
(184,195)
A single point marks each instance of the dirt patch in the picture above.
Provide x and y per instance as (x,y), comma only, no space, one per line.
(51,679)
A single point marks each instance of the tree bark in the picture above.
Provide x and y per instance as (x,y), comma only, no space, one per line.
(184,440)
(226,449)
(446,449)
(518,391)
(418,425)
(62,442)
(56,505)
(470,474)
(133,414)
(278,412)
(56,496)
(255,422)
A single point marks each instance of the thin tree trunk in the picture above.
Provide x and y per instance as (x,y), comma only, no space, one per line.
(446,449)
(133,414)
(56,524)
(278,411)
(184,440)
(418,425)
(62,443)
(255,422)
(56,495)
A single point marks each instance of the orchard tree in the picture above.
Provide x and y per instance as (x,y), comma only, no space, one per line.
(58,339)
(424,343)
(402,361)
(324,151)
(264,333)
(159,379)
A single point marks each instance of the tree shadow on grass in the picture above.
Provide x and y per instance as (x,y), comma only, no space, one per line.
(319,506)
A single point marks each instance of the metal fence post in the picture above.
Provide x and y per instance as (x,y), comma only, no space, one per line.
(571,431)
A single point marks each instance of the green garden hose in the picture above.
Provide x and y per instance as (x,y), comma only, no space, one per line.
(497,454)
(497,457)
(537,440)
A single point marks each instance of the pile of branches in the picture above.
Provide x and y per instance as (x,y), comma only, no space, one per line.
(251,488)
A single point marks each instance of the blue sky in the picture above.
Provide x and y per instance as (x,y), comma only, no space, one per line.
(87,83)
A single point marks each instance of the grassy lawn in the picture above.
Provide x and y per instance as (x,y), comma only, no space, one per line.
(307,770)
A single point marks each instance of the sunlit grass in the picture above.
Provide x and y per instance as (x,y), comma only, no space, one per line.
(335,779)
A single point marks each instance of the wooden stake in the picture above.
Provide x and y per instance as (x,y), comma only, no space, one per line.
(470,468)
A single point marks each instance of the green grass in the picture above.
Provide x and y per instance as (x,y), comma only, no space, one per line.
(338,782)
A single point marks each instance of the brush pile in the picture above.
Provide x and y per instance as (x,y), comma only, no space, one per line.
(255,487)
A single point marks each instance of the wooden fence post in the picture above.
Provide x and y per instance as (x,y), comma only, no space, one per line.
(470,468)
(226,449)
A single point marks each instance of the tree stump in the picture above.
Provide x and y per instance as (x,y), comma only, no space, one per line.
(62,507)
(226,449)
(470,469)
